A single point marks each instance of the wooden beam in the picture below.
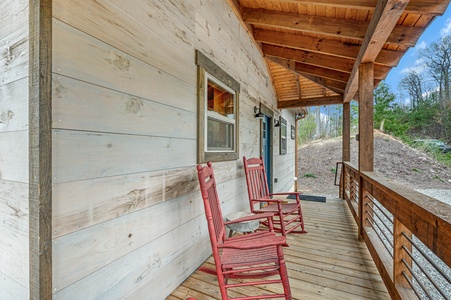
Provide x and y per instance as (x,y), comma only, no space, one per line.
(310,102)
(423,7)
(353,29)
(336,86)
(298,87)
(366,140)
(40,149)
(384,19)
(311,58)
(388,58)
(322,72)
(320,60)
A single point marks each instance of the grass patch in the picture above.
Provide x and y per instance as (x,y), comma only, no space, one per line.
(308,175)
(438,178)
(416,170)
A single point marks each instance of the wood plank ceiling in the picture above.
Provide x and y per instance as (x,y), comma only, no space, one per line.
(314,47)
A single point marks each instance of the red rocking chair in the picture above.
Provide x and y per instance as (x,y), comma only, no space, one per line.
(289,214)
(252,256)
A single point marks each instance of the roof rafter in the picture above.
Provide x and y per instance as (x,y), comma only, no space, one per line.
(384,19)
(320,60)
(338,99)
(353,29)
(430,7)
(333,85)
(330,47)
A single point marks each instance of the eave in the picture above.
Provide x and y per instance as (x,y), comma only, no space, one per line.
(323,42)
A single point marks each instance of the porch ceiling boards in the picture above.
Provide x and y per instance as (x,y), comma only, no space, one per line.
(314,47)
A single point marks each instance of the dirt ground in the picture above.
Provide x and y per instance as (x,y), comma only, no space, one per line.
(392,159)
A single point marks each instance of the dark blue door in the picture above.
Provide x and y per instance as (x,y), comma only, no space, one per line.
(266,149)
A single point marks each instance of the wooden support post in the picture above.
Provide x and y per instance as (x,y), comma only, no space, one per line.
(40,149)
(366,140)
(346,143)
(400,254)
(296,157)
(346,151)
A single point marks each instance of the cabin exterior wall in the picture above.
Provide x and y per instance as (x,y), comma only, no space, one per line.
(126,209)
(14,130)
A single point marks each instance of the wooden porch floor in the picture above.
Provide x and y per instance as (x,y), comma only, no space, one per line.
(327,263)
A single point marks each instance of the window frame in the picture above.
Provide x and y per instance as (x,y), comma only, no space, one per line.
(283,136)
(208,70)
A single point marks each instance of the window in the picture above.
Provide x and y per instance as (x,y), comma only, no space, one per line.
(283,136)
(218,112)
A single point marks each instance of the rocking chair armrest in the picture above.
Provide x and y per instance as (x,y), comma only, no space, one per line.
(288,193)
(250,218)
(268,200)
(255,243)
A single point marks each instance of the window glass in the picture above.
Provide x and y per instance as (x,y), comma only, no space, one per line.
(220,117)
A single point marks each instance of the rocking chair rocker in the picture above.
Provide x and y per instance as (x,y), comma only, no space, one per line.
(251,256)
(289,214)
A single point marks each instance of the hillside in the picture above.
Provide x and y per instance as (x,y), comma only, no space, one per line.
(392,159)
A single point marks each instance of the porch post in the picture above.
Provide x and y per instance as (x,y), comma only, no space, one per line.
(40,149)
(366,141)
(296,145)
(346,155)
(346,144)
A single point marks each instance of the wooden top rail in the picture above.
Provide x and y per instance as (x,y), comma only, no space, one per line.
(427,218)
(351,165)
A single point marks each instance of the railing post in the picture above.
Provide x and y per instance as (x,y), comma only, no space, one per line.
(361,208)
(341,190)
(400,242)
(346,142)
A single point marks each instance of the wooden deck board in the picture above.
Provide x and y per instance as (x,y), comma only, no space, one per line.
(327,263)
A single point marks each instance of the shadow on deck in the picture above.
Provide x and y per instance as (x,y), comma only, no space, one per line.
(327,263)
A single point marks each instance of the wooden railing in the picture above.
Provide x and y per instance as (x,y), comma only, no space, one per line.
(407,233)
(351,188)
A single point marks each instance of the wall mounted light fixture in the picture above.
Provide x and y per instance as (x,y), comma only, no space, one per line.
(276,123)
(299,116)
(258,113)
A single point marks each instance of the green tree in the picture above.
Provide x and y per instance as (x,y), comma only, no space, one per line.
(388,115)
(383,104)
(307,127)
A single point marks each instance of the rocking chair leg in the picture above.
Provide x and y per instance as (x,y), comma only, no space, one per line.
(282,225)
(284,275)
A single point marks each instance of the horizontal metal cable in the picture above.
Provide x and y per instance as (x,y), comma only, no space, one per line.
(411,284)
(423,288)
(427,257)
(380,219)
(434,283)
(380,208)
(390,251)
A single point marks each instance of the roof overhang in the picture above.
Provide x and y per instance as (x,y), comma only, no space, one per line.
(314,47)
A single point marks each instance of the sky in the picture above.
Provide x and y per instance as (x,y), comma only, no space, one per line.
(440,27)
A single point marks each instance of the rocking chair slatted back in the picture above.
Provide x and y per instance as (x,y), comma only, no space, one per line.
(289,215)
(256,180)
(213,209)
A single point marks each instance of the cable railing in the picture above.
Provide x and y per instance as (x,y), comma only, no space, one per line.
(407,234)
